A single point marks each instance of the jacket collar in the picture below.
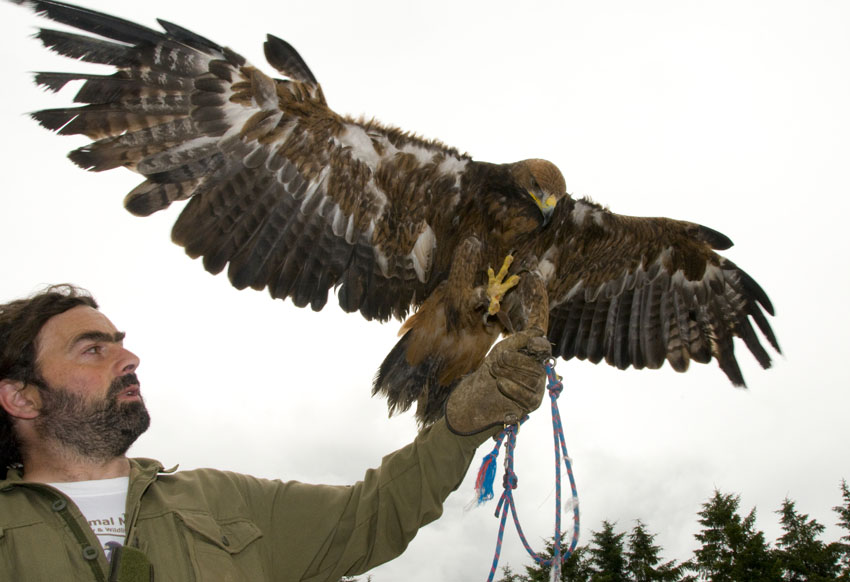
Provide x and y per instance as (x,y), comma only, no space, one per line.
(142,472)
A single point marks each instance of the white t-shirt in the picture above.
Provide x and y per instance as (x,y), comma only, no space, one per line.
(102,502)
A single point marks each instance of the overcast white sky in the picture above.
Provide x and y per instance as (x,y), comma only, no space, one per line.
(728,113)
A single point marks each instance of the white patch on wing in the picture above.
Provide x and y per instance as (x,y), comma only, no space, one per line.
(452,165)
(591,293)
(236,117)
(337,219)
(265,91)
(582,211)
(423,155)
(423,252)
(573,291)
(382,262)
(713,273)
(308,195)
(324,202)
(547,269)
(599,217)
(349,231)
(695,293)
(312,190)
(360,142)
(579,212)
(273,162)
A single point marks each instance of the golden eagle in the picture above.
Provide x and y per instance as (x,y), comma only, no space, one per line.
(292,197)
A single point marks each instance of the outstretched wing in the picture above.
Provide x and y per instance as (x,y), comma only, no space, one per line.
(639,291)
(283,192)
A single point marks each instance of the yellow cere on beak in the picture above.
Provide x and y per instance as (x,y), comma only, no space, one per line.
(547,206)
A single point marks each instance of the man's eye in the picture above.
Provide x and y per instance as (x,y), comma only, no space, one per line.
(93,350)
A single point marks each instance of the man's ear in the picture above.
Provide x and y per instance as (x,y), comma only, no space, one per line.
(19,400)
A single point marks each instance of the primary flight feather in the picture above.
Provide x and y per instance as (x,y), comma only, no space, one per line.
(292,197)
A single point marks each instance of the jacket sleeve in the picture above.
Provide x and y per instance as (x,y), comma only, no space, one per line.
(322,532)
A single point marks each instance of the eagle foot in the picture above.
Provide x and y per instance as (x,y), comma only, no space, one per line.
(497,285)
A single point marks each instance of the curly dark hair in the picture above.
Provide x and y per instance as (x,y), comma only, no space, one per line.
(20,323)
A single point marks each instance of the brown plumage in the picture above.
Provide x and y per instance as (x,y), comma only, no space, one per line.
(291,197)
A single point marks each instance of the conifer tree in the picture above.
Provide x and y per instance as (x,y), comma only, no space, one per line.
(843,546)
(509,575)
(575,569)
(802,556)
(608,559)
(643,556)
(732,549)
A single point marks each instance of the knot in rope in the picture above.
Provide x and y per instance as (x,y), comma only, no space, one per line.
(486,475)
(555,385)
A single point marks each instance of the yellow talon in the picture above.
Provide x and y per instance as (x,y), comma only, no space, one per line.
(497,286)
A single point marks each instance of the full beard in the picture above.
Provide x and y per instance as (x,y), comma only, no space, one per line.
(97,431)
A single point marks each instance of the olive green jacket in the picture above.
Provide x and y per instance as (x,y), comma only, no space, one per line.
(211,525)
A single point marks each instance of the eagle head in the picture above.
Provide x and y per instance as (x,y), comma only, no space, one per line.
(543,182)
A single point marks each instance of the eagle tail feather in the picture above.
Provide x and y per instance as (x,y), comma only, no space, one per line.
(403,383)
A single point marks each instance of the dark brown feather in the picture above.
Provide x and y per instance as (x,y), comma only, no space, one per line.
(672,297)
(289,196)
(283,57)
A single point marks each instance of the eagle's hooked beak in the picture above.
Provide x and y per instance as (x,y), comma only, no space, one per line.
(546,206)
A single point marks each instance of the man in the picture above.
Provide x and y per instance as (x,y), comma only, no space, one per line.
(71,406)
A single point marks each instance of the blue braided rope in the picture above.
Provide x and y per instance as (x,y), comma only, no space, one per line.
(555,388)
(509,483)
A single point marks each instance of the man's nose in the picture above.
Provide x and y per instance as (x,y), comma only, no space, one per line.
(128,362)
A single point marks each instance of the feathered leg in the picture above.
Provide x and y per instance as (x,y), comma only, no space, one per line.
(444,340)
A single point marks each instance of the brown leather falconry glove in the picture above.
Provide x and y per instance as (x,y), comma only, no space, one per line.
(507,386)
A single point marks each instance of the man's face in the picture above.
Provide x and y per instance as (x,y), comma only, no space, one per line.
(91,401)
